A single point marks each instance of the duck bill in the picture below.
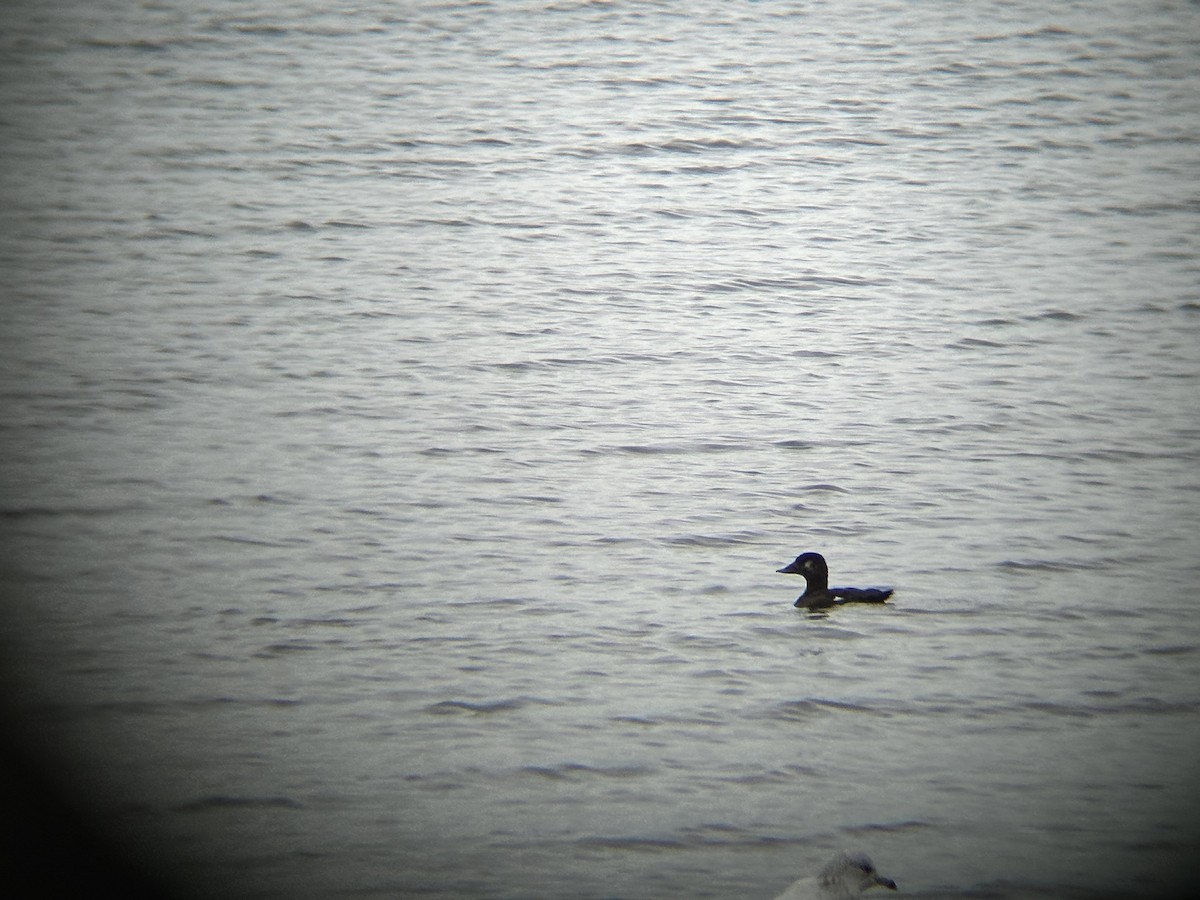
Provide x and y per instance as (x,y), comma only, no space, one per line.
(885,882)
(789,569)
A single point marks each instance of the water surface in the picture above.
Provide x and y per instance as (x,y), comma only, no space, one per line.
(406,409)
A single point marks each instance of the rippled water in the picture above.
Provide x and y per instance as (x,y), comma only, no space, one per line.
(406,409)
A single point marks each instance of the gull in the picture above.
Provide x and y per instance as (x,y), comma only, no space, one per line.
(845,877)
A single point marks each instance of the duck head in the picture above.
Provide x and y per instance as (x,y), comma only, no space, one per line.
(811,565)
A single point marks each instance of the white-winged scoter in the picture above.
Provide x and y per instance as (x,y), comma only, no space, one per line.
(818,594)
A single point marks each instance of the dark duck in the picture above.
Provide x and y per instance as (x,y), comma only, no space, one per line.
(818,594)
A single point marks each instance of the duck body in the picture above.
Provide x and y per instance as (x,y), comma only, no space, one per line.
(817,592)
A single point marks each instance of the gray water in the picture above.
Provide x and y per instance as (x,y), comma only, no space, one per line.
(405,410)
